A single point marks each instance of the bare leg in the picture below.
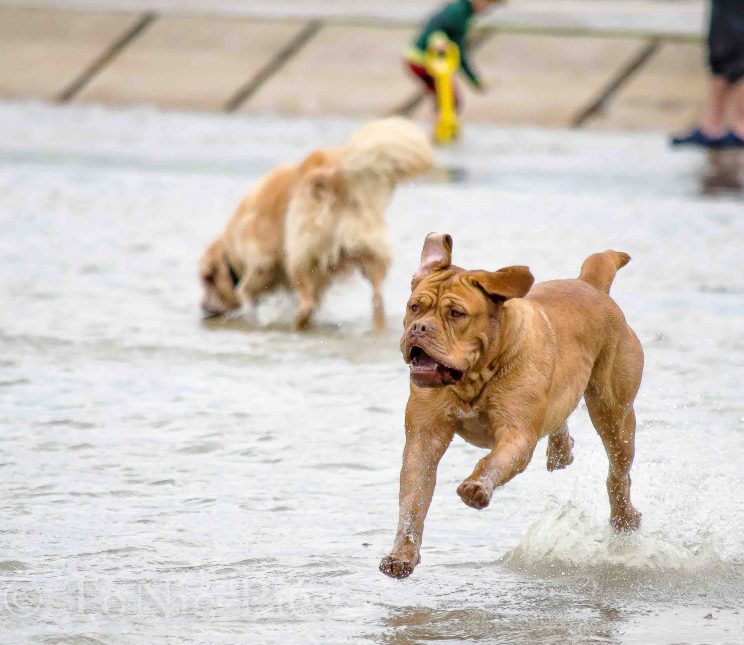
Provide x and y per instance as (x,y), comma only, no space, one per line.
(560,445)
(713,117)
(510,457)
(737,102)
(418,476)
(375,273)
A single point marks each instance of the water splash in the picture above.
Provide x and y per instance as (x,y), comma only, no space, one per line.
(571,539)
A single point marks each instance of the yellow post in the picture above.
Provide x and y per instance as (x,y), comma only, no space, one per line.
(442,61)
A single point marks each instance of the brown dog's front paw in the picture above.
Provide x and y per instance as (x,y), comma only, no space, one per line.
(474,494)
(626,522)
(396,567)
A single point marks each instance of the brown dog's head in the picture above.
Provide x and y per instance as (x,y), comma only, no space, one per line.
(218,280)
(453,316)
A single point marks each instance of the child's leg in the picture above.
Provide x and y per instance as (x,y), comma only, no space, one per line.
(419,71)
(458,97)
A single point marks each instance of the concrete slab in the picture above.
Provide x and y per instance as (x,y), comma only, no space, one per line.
(541,80)
(666,94)
(355,71)
(190,62)
(43,51)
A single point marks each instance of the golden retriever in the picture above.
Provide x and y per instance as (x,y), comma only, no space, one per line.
(304,224)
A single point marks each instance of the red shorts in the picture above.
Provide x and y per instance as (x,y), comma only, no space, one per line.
(419,71)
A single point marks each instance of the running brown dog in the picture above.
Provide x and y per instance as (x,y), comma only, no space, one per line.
(502,365)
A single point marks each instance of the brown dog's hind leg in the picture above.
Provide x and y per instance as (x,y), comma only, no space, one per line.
(609,399)
(560,444)
(375,271)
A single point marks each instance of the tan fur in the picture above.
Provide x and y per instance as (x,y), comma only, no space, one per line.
(503,364)
(306,223)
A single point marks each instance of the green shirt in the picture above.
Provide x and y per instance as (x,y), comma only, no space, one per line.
(454,20)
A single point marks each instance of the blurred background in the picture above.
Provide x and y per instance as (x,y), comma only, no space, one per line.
(599,64)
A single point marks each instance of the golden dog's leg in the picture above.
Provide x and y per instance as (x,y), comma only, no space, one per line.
(510,457)
(245,296)
(560,445)
(306,290)
(418,476)
(375,273)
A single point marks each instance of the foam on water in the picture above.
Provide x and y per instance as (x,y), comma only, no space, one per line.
(571,540)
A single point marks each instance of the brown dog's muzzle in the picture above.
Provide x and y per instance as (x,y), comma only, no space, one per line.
(428,366)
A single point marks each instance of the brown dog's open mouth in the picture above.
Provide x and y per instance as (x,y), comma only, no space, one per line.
(428,372)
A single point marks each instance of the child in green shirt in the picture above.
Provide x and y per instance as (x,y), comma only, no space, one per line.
(454,21)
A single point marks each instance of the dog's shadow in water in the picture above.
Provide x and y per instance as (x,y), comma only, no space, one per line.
(490,624)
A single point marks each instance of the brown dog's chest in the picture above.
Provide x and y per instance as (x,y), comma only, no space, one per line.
(473,425)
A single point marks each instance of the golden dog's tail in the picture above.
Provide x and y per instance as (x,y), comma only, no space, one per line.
(599,269)
(394,148)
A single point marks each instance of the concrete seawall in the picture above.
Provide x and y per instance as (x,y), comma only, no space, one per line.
(566,63)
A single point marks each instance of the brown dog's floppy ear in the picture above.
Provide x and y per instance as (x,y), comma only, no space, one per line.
(509,282)
(435,256)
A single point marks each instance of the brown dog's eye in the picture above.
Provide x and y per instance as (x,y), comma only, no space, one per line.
(209,278)
(455,313)
(414,308)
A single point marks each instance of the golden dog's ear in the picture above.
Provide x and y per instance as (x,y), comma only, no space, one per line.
(435,256)
(509,282)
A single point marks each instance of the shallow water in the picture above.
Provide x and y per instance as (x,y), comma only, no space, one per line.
(165,480)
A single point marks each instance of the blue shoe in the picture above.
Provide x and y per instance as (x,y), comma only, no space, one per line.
(698,138)
(732,140)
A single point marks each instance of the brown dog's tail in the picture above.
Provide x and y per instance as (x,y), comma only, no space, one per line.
(599,269)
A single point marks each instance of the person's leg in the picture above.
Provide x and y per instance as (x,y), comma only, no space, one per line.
(727,52)
(713,118)
(735,136)
(458,96)
(710,130)
(737,103)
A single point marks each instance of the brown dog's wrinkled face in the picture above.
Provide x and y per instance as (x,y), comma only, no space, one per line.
(453,315)
(217,282)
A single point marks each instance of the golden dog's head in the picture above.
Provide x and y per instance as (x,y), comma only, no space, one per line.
(453,316)
(218,280)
